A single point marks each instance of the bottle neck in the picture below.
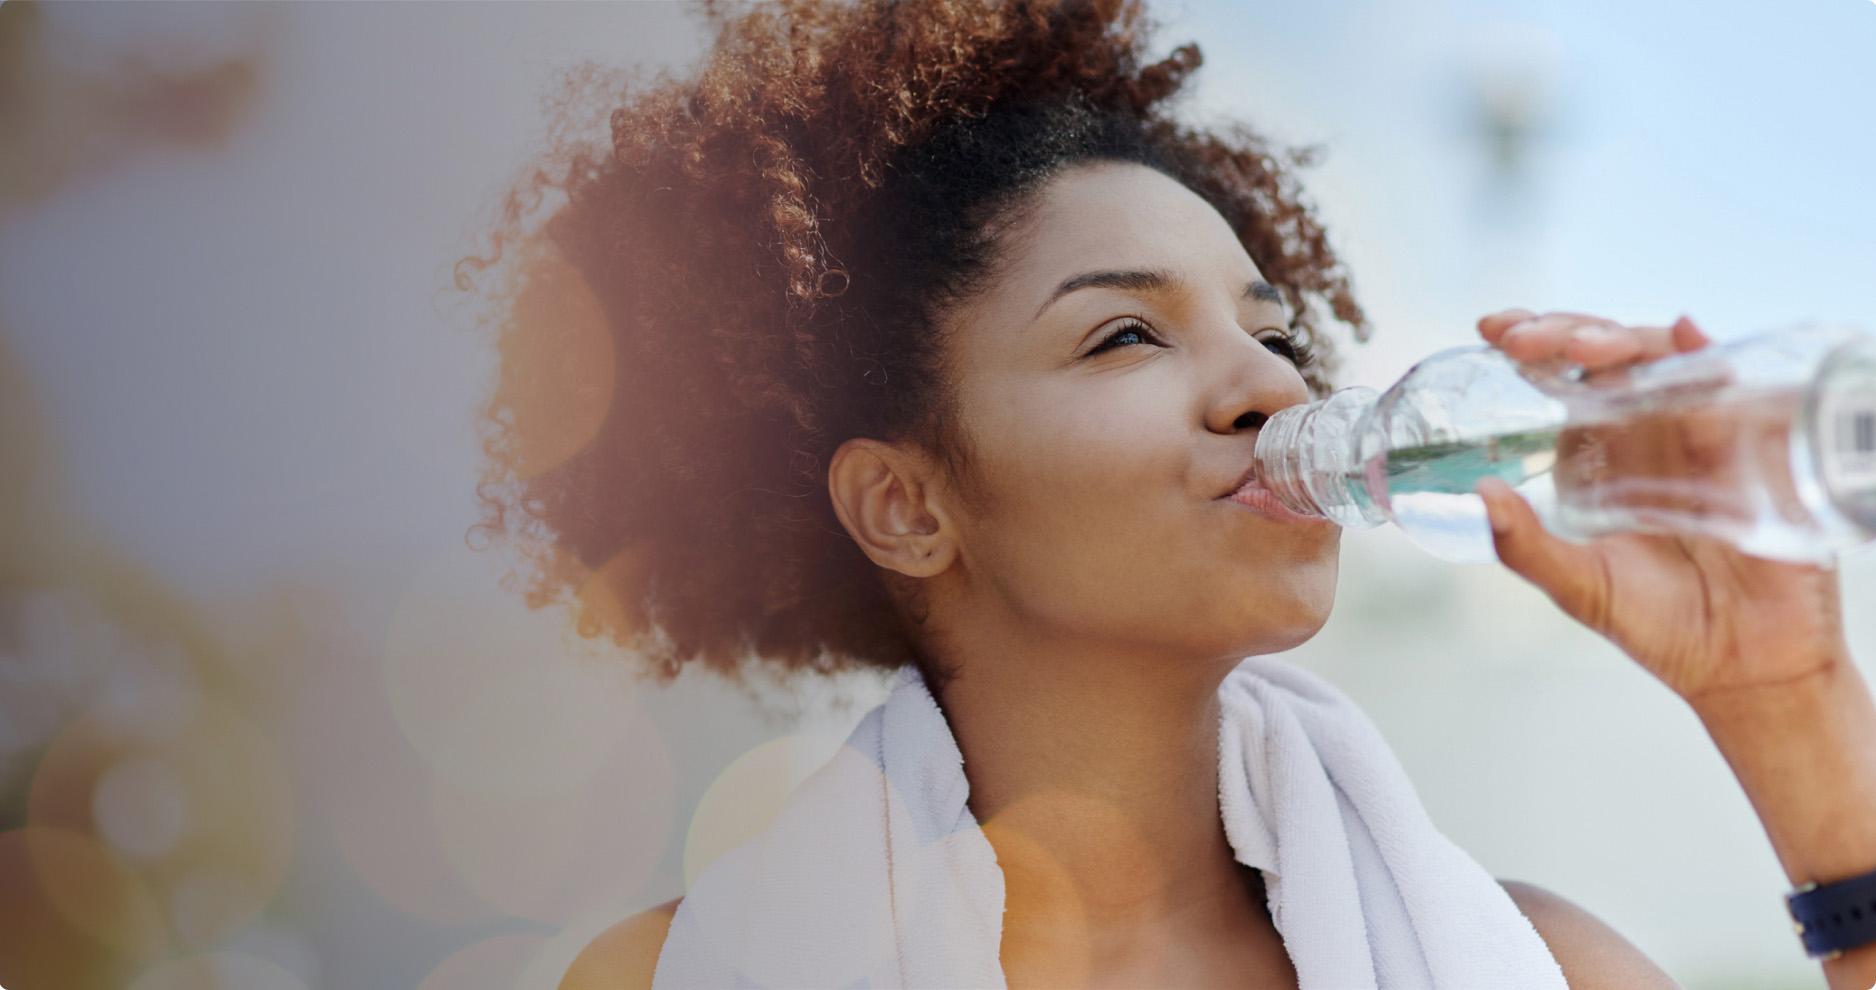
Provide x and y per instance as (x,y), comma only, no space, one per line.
(1308,457)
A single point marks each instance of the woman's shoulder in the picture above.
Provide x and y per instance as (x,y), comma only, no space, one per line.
(624,955)
(1590,953)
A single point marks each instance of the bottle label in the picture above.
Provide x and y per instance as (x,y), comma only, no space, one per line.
(1847,421)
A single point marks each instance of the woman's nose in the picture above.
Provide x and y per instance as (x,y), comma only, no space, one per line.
(1249,419)
(1254,384)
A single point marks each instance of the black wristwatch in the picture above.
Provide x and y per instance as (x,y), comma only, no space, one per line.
(1833,917)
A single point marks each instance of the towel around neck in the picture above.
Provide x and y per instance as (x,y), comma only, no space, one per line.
(876,873)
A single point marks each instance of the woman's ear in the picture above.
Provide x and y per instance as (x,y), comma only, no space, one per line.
(886,499)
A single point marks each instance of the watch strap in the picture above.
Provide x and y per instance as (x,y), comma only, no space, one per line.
(1836,916)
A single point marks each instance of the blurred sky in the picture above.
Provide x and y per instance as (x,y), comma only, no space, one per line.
(252,369)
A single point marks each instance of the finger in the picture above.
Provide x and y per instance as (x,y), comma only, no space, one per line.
(1546,336)
(1602,346)
(1493,326)
(1569,573)
(1688,337)
(1598,346)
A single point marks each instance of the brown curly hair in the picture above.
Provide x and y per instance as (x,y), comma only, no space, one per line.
(754,269)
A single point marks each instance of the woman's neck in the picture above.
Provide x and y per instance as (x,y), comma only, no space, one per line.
(1095,778)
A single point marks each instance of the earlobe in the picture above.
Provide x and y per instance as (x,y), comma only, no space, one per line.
(880,495)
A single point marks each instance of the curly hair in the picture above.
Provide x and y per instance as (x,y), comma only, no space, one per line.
(755,268)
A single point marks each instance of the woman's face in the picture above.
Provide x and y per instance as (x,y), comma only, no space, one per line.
(1105,457)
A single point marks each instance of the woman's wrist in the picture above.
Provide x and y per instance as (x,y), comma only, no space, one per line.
(1805,754)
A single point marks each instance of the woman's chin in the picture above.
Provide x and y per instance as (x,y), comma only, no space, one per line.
(1287,621)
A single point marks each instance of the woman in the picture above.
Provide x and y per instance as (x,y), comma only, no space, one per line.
(930,338)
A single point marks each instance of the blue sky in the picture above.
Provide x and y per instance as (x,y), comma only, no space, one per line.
(1712,158)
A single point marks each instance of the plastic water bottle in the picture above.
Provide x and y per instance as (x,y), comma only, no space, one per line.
(1767,442)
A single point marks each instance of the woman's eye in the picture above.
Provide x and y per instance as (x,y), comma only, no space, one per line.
(1132,328)
(1289,347)
(1285,345)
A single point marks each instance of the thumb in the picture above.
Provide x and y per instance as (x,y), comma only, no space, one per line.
(1571,574)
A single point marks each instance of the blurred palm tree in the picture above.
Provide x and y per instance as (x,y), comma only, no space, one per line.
(63,123)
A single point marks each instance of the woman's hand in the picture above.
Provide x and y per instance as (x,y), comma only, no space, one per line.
(1701,616)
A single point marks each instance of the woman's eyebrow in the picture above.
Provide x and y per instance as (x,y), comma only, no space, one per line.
(1145,280)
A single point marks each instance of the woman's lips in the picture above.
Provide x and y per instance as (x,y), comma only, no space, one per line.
(1258,499)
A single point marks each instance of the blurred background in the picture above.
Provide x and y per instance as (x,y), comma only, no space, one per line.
(267,722)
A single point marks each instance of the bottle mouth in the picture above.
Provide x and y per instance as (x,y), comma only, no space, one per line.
(1282,462)
(1306,455)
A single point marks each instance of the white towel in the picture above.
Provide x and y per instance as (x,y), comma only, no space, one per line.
(876,873)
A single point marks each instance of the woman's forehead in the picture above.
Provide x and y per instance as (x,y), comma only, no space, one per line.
(1119,218)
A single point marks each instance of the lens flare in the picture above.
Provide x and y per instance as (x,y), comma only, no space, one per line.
(557,377)
(218,971)
(67,877)
(210,801)
(496,697)
(491,962)
(783,869)
(141,808)
(556,856)
(745,798)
